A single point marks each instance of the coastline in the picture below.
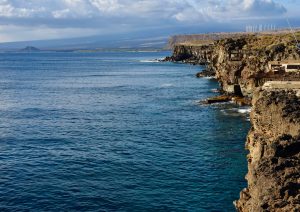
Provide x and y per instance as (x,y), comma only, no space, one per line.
(241,67)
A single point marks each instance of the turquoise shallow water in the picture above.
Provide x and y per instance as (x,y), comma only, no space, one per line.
(115,132)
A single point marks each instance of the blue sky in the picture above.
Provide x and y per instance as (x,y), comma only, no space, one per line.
(51,19)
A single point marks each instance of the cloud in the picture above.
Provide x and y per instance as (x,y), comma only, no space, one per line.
(178,10)
(106,6)
(219,10)
(110,15)
(263,7)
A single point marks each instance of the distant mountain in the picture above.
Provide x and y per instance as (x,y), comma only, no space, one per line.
(142,39)
(30,49)
(89,43)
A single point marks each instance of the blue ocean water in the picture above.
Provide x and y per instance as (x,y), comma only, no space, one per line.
(115,132)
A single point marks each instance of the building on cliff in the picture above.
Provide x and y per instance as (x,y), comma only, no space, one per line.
(284,66)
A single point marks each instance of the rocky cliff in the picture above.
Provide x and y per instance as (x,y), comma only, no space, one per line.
(193,54)
(274,159)
(239,62)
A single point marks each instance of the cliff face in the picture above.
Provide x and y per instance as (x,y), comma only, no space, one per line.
(274,159)
(195,54)
(241,65)
(239,62)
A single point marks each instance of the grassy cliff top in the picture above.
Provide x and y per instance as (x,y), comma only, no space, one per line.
(268,41)
(196,43)
(253,41)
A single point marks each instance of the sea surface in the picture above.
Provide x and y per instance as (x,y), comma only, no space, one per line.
(115,131)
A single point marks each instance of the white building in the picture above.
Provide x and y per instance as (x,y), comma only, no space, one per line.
(286,66)
(291,67)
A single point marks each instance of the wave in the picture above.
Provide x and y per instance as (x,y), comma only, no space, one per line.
(215,90)
(209,77)
(237,112)
(166,85)
(244,110)
(150,61)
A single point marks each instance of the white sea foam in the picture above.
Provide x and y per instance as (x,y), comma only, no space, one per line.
(166,85)
(237,112)
(214,90)
(209,77)
(244,110)
(149,61)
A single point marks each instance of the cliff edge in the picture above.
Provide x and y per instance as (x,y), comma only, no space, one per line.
(265,68)
(274,159)
(241,63)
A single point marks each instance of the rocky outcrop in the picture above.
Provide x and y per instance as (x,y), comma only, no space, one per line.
(206,73)
(193,54)
(274,159)
(239,63)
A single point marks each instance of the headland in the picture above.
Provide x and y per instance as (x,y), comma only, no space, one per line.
(261,69)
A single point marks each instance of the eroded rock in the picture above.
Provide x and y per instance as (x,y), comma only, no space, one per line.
(240,62)
(274,159)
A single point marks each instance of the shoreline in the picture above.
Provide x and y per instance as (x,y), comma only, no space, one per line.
(274,138)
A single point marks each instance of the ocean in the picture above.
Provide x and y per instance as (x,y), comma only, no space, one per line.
(115,131)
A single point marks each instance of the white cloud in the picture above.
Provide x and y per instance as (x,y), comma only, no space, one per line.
(219,10)
(106,6)
(61,13)
(266,7)
(103,14)
(139,8)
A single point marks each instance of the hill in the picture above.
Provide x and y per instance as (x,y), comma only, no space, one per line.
(30,49)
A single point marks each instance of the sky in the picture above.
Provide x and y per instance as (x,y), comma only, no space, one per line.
(22,20)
